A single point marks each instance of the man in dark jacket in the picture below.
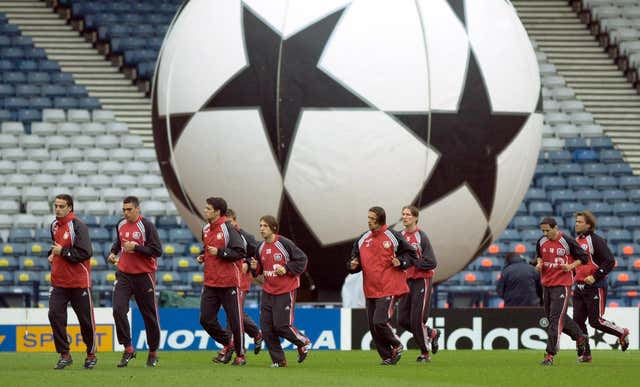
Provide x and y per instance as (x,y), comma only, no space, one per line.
(519,284)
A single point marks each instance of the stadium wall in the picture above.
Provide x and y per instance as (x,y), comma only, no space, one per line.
(27,330)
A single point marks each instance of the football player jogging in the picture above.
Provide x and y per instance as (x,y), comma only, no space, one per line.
(245,282)
(557,256)
(590,292)
(413,309)
(70,281)
(138,246)
(383,255)
(224,252)
(281,262)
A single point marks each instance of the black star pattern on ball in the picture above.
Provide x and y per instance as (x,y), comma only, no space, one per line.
(598,337)
(468,141)
(282,78)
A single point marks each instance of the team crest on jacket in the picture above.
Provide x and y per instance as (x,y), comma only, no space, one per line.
(277,257)
(136,235)
(386,244)
(219,235)
(66,235)
(561,252)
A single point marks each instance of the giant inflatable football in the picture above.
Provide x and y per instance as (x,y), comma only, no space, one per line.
(316,110)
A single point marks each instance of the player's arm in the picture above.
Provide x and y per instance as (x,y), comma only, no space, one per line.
(117,245)
(80,249)
(235,249)
(353,264)
(428,259)
(254,262)
(250,244)
(603,257)
(297,258)
(152,246)
(579,255)
(500,286)
(405,253)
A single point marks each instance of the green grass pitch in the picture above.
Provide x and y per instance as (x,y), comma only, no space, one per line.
(329,368)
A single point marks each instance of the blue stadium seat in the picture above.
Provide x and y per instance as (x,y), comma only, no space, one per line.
(626,208)
(7,90)
(169,278)
(562,195)
(173,249)
(579,182)
(20,235)
(38,248)
(14,77)
(552,182)
(569,208)
(595,169)
(600,209)
(634,195)
(99,234)
(15,249)
(585,155)
(48,66)
(89,220)
(109,221)
(62,78)
(610,156)
(535,194)
(570,169)
(8,263)
(33,263)
(163,234)
(185,263)
(524,222)
(623,278)
(39,77)
(34,53)
(6,278)
(180,235)
(40,102)
(601,143)
(509,234)
(590,195)
(609,222)
(26,277)
(631,222)
(167,221)
(629,182)
(575,143)
(11,52)
(620,169)
(76,91)
(53,90)
(65,103)
(26,65)
(15,103)
(27,90)
(24,41)
(530,235)
(89,103)
(43,235)
(614,195)
(559,157)
(540,209)
(522,209)
(605,182)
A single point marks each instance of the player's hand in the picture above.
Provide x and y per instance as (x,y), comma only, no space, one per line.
(200,258)
(280,270)
(112,259)
(395,262)
(565,267)
(50,258)
(354,264)
(129,246)
(590,280)
(253,264)
(539,264)
(245,267)
(212,250)
(56,249)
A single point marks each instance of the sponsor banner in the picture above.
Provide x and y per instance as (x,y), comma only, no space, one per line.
(39,338)
(28,330)
(515,328)
(180,329)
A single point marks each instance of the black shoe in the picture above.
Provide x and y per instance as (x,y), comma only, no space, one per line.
(63,362)
(424,358)
(548,360)
(239,361)
(304,350)
(90,362)
(126,358)
(224,356)
(396,353)
(152,361)
(279,364)
(435,335)
(388,362)
(624,340)
(582,342)
(257,344)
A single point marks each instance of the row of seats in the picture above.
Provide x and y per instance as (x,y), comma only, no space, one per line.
(598,182)
(39,224)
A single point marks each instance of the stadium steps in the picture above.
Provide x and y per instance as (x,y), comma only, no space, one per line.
(588,70)
(78,57)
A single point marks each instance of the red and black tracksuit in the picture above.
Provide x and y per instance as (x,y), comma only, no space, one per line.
(71,282)
(383,283)
(556,286)
(246,279)
(222,283)
(413,309)
(589,300)
(278,303)
(136,276)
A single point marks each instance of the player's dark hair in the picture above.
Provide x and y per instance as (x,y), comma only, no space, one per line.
(231,214)
(589,218)
(132,200)
(413,209)
(271,221)
(381,216)
(67,198)
(549,221)
(218,204)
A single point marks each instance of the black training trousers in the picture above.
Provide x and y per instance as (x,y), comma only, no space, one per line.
(413,311)
(556,301)
(211,300)
(379,314)
(82,304)
(276,321)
